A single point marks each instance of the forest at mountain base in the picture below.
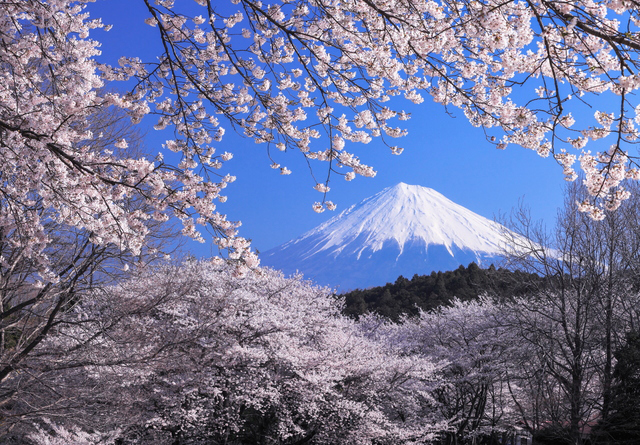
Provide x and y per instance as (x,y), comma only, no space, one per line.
(407,297)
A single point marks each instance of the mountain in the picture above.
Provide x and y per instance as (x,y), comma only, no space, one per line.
(402,230)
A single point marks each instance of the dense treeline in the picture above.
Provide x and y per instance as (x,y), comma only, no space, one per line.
(427,292)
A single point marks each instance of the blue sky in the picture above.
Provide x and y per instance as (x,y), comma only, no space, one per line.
(441,152)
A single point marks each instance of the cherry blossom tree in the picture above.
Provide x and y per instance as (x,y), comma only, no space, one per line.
(475,346)
(290,72)
(294,71)
(32,305)
(192,354)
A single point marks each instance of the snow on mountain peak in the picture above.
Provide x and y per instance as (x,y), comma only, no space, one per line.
(406,213)
(404,229)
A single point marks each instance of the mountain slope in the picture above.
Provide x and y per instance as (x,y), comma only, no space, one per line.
(402,230)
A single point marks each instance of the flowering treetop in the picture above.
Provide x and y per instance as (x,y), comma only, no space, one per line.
(313,76)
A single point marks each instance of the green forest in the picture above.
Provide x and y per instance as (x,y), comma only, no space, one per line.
(407,297)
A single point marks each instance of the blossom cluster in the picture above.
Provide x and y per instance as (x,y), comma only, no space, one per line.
(331,73)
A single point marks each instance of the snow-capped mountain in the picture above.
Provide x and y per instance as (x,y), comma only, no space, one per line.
(402,230)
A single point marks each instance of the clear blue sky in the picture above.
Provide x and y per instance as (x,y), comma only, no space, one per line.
(441,152)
